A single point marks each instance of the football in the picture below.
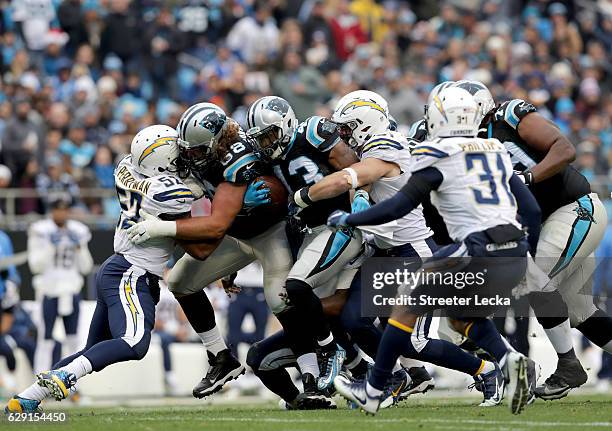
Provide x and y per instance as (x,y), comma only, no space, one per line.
(278,196)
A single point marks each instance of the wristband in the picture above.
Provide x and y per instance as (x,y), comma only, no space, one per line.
(354,181)
(301,198)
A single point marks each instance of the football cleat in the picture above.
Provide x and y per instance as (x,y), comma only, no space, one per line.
(406,382)
(569,374)
(22,405)
(356,391)
(518,381)
(221,369)
(332,361)
(312,398)
(58,382)
(491,385)
(533,374)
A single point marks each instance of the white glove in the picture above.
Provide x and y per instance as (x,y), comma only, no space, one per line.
(150,227)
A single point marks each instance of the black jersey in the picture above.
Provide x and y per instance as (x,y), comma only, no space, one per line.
(562,188)
(238,166)
(306,162)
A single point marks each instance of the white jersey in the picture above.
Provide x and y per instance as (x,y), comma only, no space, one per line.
(163,196)
(58,256)
(393,147)
(475,192)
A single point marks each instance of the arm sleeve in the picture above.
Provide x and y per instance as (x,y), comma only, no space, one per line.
(528,209)
(414,191)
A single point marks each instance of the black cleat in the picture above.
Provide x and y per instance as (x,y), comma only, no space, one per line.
(312,398)
(568,375)
(221,369)
(406,382)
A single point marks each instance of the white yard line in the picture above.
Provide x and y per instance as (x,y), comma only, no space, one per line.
(376,420)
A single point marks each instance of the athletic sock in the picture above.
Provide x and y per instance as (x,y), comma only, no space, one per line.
(409,363)
(485,334)
(213,341)
(35,392)
(327,343)
(279,381)
(198,310)
(561,338)
(598,329)
(308,364)
(79,367)
(397,341)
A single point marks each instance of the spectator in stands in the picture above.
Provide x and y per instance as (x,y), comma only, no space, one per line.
(255,34)
(301,85)
(21,138)
(56,181)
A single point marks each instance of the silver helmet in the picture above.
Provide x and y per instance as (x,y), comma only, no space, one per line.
(199,129)
(481,95)
(271,123)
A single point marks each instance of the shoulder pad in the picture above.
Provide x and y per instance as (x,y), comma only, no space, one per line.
(430,152)
(513,111)
(320,133)
(164,188)
(389,140)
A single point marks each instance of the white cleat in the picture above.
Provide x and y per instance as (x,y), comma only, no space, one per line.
(356,391)
(518,382)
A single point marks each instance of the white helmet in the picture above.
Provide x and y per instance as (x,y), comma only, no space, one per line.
(154,149)
(360,115)
(481,95)
(199,128)
(271,123)
(436,90)
(453,112)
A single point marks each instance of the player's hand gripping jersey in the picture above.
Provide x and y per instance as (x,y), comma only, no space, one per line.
(561,189)
(307,161)
(163,196)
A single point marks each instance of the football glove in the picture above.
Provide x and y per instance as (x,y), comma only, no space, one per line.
(337,219)
(150,227)
(257,193)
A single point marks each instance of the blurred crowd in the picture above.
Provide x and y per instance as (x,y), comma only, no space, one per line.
(80,77)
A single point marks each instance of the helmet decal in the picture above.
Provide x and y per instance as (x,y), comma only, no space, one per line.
(278,104)
(359,103)
(156,144)
(213,122)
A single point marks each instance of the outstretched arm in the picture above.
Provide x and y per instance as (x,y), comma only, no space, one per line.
(408,198)
(543,136)
(357,175)
(225,206)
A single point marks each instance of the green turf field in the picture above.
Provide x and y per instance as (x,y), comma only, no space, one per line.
(573,413)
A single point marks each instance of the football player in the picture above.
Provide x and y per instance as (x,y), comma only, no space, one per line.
(216,160)
(383,168)
(574,221)
(127,282)
(59,258)
(302,154)
(478,204)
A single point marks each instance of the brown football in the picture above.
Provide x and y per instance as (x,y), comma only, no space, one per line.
(278,196)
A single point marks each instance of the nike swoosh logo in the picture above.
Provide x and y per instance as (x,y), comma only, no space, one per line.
(362,401)
(396,392)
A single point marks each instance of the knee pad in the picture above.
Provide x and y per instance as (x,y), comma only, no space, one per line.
(298,291)
(597,328)
(546,304)
(253,358)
